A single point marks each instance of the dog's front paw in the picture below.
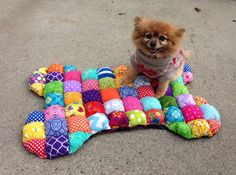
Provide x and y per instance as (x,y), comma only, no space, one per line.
(125,81)
(160,94)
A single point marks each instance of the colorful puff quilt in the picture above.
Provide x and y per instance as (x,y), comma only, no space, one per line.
(80,104)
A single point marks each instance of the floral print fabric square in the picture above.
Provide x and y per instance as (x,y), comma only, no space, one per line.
(127,91)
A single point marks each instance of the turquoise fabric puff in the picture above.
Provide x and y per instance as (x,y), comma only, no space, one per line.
(210,112)
(54,99)
(69,68)
(150,103)
(89,74)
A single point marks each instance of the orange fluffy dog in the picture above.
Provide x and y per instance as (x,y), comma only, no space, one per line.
(158,54)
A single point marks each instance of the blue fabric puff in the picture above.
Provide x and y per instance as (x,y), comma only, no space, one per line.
(54,99)
(187,68)
(36,116)
(174,114)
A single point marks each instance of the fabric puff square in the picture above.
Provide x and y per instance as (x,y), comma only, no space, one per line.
(120,70)
(169,91)
(145,91)
(90,74)
(200,101)
(113,105)
(78,123)
(92,95)
(98,122)
(155,116)
(178,89)
(107,82)
(36,146)
(187,77)
(127,91)
(192,112)
(55,127)
(54,111)
(132,103)
(118,119)
(185,100)
(76,109)
(88,85)
(141,80)
(37,88)
(34,130)
(53,87)
(109,94)
(199,128)
(73,75)
(119,80)
(68,68)
(54,76)
(178,80)
(37,78)
(57,146)
(210,112)
(150,103)
(56,68)
(77,139)
(72,86)
(72,97)
(105,72)
(54,99)
(181,128)
(187,68)
(36,116)
(42,70)
(136,118)
(215,126)
(167,101)
(173,114)
(93,107)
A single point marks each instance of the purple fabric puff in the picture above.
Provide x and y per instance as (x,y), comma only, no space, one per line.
(57,146)
(72,86)
(92,95)
(37,78)
(55,76)
(169,91)
(55,127)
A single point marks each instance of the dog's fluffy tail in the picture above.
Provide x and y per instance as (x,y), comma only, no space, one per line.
(188,54)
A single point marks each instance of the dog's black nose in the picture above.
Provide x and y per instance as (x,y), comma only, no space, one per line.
(152,44)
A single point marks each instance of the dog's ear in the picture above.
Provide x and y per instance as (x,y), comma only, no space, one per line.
(137,21)
(179,32)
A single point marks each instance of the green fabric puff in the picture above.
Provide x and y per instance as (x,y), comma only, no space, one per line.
(178,80)
(181,128)
(178,89)
(167,101)
(136,117)
(77,139)
(107,82)
(90,73)
(53,87)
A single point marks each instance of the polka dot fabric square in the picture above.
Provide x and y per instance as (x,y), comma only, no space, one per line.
(92,95)
(36,146)
(136,118)
(37,78)
(90,85)
(36,116)
(145,91)
(192,112)
(127,91)
(200,101)
(150,103)
(78,123)
(69,68)
(72,86)
(109,94)
(56,68)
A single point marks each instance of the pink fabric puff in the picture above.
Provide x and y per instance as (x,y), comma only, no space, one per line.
(187,77)
(54,111)
(185,100)
(145,91)
(72,86)
(192,112)
(90,85)
(132,103)
(73,75)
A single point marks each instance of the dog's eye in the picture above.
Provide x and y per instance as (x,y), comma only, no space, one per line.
(148,35)
(162,38)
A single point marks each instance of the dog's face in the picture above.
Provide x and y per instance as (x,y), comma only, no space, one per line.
(155,38)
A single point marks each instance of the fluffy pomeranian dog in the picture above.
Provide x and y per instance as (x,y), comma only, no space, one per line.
(158,52)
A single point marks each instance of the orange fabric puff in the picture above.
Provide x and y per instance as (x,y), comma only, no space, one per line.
(110,93)
(72,97)
(56,68)
(78,123)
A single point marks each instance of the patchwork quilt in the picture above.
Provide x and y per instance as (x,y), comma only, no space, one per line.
(80,104)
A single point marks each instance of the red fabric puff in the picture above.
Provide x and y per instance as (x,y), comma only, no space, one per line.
(109,94)
(145,91)
(192,112)
(93,107)
(215,125)
(73,75)
(118,119)
(78,123)
(155,116)
(132,103)
(90,85)
(56,68)
(36,146)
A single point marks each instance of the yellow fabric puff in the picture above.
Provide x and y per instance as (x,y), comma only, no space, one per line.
(199,128)
(42,70)
(33,130)
(37,88)
(76,109)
